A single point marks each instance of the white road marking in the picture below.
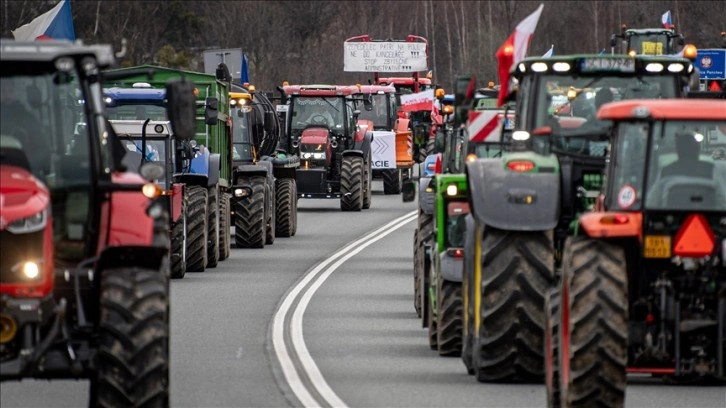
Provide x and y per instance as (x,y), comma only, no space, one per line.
(322,271)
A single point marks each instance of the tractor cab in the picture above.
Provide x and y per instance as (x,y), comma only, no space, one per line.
(379,105)
(647,41)
(240,106)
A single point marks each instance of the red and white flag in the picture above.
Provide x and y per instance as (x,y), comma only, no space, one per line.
(56,23)
(422,101)
(484,126)
(514,50)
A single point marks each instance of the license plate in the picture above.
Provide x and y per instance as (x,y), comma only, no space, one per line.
(608,64)
(657,246)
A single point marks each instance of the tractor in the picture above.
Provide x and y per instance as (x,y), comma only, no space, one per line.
(647,41)
(391,134)
(271,209)
(525,202)
(643,284)
(333,145)
(138,115)
(84,272)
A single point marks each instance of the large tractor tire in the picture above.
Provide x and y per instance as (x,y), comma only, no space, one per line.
(224,227)
(551,350)
(351,183)
(271,213)
(470,260)
(178,249)
(430,145)
(213,227)
(294,213)
(593,341)
(285,207)
(249,216)
(516,270)
(197,229)
(133,349)
(424,231)
(449,318)
(416,276)
(367,185)
(391,181)
(431,321)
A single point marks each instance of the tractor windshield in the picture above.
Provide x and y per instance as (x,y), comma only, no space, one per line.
(569,105)
(379,114)
(486,103)
(129,110)
(687,166)
(241,139)
(455,223)
(317,111)
(649,44)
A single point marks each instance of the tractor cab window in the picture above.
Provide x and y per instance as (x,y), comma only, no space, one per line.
(135,111)
(317,111)
(569,106)
(455,223)
(687,167)
(628,166)
(42,131)
(650,44)
(241,138)
(379,114)
(486,103)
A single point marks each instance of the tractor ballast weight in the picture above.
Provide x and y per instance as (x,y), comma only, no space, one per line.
(94,245)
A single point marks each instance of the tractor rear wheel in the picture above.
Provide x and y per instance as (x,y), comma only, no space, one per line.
(179,246)
(213,227)
(391,181)
(449,318)
(424,231)
(285,207)
(430,145)
(197,229)
(516,270)
(416,276)
(351,183)
(133,350)
(294,206)
(431,321)
(551,350)
(224,227)
(249,216)
(467,288)
(593,335)
(271,210)
(367,185)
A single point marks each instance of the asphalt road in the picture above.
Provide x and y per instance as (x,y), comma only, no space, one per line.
(359,327)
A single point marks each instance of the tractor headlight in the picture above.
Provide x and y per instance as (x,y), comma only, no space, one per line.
(452,190)
(30,224)
(31,270)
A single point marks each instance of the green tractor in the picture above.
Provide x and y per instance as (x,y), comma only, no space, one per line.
(525,203)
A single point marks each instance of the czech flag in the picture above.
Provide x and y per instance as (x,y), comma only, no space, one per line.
(55,24)
(666,20)
(514,50)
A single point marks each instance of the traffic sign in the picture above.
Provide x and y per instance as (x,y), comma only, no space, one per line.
(712,63)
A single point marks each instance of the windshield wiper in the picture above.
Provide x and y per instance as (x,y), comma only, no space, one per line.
(326,100)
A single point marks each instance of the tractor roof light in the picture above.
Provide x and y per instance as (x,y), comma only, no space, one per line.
(251,89)
(448,110)
(522,67)
(654,67)
(561,66)
(491,84)
(690,51)
(141,85)
(440,93)
(676,67)
(520,135)
(285,83)
(452,190)
(539,67)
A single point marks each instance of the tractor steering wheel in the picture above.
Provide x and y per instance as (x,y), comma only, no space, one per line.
(319,120)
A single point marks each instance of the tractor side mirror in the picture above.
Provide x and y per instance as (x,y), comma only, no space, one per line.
(211,111)
(181,108)
(613,41)
(151,171)
(368,103)
(356,113)
(408,191)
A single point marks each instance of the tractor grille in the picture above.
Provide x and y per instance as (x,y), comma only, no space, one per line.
(17,248)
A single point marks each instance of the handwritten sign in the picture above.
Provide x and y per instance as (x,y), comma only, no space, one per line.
(381,56)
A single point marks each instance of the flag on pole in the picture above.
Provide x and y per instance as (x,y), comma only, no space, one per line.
(57,24)
(550,52)
(514,49)
(602,52)
(244,74)
(666,19)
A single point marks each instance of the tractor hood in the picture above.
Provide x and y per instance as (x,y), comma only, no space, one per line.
(21,195)
(315,135)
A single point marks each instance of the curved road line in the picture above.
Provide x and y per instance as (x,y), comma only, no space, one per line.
(295,330)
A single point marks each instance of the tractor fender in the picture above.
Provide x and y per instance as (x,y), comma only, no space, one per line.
(128,223)
(451,268)
(200,162)
(358,153)
(214,169)
(191,179)
(511,200)
(426,198)
(250,170)
(364,145)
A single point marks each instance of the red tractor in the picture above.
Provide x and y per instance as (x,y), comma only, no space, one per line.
(333,145)
(643,285)
(84,272)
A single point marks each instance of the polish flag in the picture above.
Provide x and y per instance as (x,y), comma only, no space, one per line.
(422,101)
(514,50)
(56,24)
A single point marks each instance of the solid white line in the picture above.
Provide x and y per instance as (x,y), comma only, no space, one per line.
(278,329)
(306,359)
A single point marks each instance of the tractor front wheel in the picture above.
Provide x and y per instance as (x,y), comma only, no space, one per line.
(285,207)
(197,229)
(178,250)
(351,183)
(367,185)
(224,227)
(391,181)
(133,351)
(449,318)
(213,226)
(593,332)
(551,349)
(271,210)
(249,216)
